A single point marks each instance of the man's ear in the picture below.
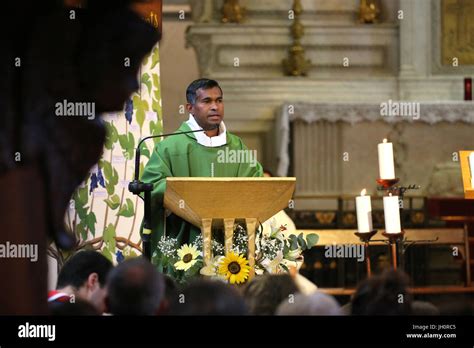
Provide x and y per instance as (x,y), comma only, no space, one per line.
(93,280)
(189,108)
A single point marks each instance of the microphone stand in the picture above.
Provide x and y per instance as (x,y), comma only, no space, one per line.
(138,187)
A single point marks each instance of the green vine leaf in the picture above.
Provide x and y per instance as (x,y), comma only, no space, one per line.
(113,202)
(81,230)
(111,135)
(147,82)
(109,238)
(155,106)
(127,209)
(90,222)
(142,168)
(155,57)
(111,177)
(127,143)
(145,152)
(107,254)
(81,197)
(141,106)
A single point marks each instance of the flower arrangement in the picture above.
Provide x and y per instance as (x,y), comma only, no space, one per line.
(275,252)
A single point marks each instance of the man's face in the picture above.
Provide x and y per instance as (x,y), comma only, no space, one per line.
(208,110)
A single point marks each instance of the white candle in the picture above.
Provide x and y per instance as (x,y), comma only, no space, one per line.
(471,166)
(391,211)
(386,164)
(364,212)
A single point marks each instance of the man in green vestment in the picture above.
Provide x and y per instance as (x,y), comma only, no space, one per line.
(214,152)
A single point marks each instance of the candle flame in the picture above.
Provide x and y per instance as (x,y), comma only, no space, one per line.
(385,140)
(363,192)
(390,194)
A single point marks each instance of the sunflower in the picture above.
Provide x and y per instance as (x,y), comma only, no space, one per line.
(234,268)
(187,257)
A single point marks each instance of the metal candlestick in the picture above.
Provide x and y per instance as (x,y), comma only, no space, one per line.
(365,238)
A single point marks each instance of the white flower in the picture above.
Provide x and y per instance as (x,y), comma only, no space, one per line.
(271,266)
(210,268)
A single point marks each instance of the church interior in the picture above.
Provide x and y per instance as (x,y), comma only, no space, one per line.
(339,181)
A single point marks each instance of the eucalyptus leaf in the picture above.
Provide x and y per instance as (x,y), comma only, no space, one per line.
(312,239)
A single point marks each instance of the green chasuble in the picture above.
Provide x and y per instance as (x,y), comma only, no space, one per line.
(183,156)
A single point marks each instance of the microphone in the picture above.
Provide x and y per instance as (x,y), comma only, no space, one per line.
(136,187)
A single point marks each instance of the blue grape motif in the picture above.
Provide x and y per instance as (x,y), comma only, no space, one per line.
(96,179)
(119,256)
(129,110)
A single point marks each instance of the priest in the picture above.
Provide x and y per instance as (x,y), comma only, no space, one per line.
(199,154)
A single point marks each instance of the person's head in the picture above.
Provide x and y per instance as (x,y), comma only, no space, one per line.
(77,308)
(385,294)
(264,293)
(423,308)
(85,273)
(170,296)
(205,102)
(317,303)
(208,297)
(135,287)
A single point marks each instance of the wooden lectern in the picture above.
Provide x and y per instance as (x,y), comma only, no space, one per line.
(467,174)
(215,202)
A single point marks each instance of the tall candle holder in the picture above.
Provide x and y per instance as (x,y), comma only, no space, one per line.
(365,238)
(396,240)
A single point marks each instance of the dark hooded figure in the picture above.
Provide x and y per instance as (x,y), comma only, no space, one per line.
(52,54)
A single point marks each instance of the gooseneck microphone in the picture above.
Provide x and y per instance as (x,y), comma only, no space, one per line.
(137,187)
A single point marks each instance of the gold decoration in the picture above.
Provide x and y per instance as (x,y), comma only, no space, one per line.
(232,12)
(417,217)
(369,11)
(296,64)
(458,31)
(349,219)
(325,218)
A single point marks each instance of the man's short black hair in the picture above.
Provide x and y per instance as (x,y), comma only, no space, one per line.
(197,84)
(135,287)
(209,297)
(78,268)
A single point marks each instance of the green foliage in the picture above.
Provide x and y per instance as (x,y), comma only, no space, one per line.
(113,202)
(127,209)
(111,177)
(109,239)
(144,151)
(127,143)
(155,57)
(111,135)
(147,82)
(90,221)
(312,239)
(141,106)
